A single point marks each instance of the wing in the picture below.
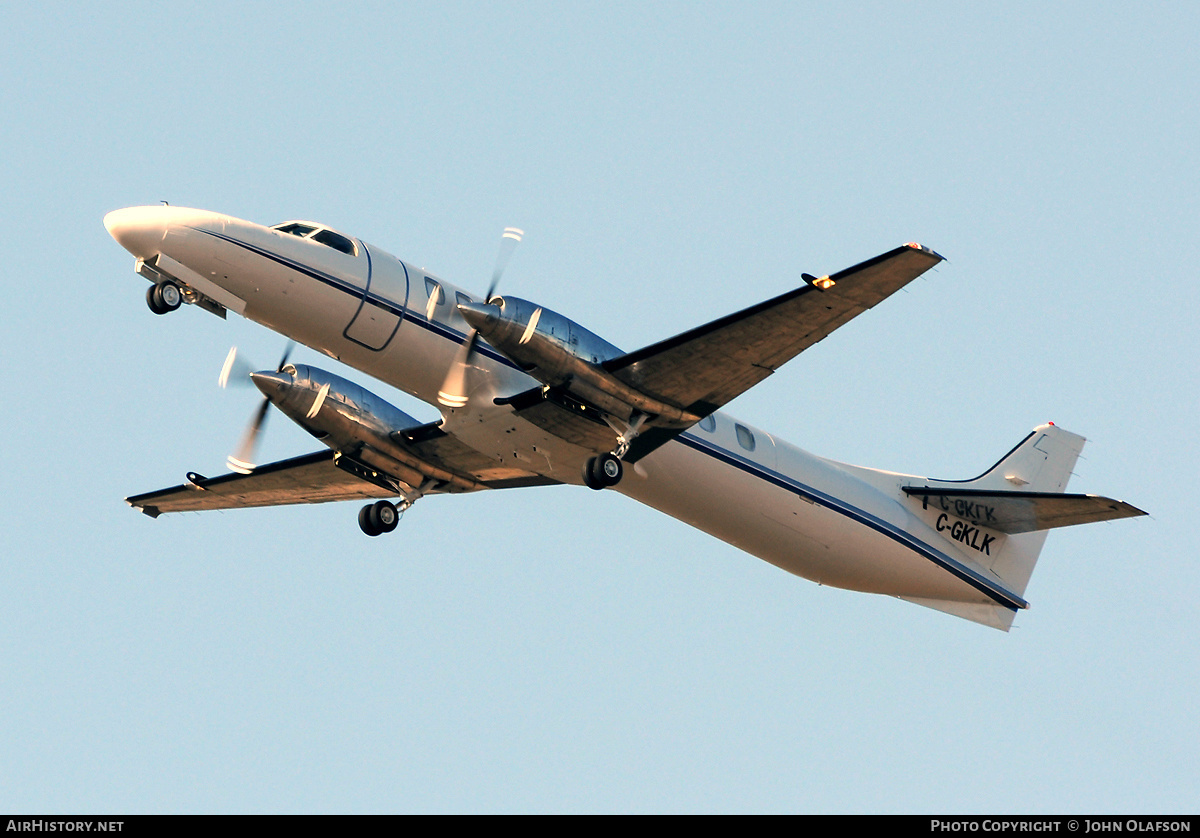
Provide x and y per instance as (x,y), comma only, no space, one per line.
(702,369)
(313,478)
(438,463)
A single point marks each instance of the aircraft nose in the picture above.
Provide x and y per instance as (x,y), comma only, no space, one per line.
(272,384)
(140,230)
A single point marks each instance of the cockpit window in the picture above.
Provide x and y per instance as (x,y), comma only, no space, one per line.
(335,240)
(322,235)
(295,228)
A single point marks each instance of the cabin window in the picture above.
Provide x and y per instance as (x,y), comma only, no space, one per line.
(335,240)
(435,296)
(745,437)
(463,299)
(433,290)
(708,423)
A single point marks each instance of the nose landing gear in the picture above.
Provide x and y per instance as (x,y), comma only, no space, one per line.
(163,297)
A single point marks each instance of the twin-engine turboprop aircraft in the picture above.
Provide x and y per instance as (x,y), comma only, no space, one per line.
(529,397)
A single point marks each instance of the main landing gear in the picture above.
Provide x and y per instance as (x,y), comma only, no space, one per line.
(606,470)
(164,297)
(378,518)
(603,472)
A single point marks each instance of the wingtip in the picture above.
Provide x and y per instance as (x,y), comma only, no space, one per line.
(926,250)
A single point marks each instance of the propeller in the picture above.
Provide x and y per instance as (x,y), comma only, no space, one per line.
(237,371)
(454,388)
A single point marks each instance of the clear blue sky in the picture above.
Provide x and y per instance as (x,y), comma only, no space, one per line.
(562,650)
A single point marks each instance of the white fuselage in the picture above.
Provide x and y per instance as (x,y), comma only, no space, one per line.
(838,525)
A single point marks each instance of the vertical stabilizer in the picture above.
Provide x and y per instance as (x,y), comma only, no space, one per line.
(1042,462)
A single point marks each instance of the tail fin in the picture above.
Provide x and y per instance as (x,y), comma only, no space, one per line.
(1041,462)
(1020,497)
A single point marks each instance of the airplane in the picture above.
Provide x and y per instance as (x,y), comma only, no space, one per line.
(528,397)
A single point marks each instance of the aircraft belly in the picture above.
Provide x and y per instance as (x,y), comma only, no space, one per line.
(777,524)
(512,442)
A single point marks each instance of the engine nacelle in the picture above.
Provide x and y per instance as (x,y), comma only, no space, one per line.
(543,341)
(336,411)
(367,432)
(558,352)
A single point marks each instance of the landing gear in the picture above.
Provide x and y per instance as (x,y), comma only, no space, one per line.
(163,297)
(378,518)
(603,471)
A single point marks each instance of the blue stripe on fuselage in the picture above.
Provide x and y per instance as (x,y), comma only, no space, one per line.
(405,314)
(946,562)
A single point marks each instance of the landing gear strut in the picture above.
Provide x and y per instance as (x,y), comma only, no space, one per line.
(603,471)
(378,518)
(163,297)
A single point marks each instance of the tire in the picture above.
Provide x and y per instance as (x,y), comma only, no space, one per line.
(609,469)
(590,478)
(152,300)
(169,295)
(164,297)
(366,522)
(384,516)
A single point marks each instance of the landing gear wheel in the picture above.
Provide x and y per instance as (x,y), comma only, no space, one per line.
(365,523)
(152,300)
(164,297)
(589,476)
(384,515)
(610,469)
(603,471)
(377,518)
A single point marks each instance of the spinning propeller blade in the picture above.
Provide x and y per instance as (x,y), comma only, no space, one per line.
(453,392)
(242,461)
(236,370)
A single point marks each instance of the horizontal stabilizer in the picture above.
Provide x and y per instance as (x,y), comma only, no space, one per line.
(1020,512)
